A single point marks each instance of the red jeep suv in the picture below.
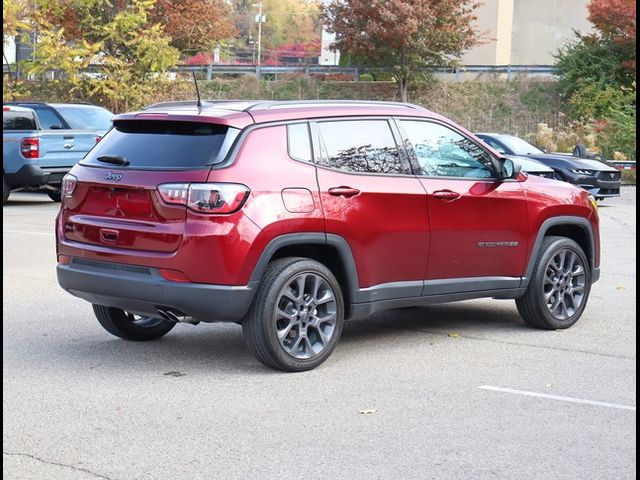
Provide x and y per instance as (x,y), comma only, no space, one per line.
(290,217)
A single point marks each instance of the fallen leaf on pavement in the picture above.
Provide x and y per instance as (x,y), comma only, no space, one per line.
(367,411)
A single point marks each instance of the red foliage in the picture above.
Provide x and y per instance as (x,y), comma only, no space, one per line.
(616,21)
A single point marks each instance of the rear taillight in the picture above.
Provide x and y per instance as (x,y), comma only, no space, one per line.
(69,183)
(30,147)
(205,197)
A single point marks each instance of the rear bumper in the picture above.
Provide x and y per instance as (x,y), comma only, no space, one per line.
(31,175)
(141,290)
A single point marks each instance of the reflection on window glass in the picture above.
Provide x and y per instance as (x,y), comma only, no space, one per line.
(360,146)
(47,117)
(442,152)
(299,141)
(86,117)
(495,145)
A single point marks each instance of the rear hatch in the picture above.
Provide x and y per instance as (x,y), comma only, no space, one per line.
(116,202)
(65,148)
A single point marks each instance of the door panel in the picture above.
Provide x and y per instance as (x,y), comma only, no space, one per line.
(481,233)
(478,223)
(370,203)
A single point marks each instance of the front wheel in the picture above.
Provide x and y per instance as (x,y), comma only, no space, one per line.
(559,287)
(129,326)
(297,316)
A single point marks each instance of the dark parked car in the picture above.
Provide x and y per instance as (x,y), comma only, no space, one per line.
(599,179)
(532,167)
(291,217)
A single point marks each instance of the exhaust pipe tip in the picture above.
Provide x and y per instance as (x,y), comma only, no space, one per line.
(176,317)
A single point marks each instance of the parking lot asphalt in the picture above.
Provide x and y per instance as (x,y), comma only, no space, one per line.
(462,390)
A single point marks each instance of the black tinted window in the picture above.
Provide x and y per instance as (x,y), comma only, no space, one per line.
(443,152)
(160,144)
(299,141)
(13,120)
(360,146)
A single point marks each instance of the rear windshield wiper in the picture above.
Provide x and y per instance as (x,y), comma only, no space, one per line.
(114,159)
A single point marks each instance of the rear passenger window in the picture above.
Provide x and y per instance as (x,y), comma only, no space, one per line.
(363,146)
(16,120)
(299,141)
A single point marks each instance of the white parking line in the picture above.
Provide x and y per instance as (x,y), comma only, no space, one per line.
(14,213)
(46,234)
(557,397)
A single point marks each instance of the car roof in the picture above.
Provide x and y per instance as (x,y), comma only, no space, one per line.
(16,108)
(494,135)
(80,105)
(241,113)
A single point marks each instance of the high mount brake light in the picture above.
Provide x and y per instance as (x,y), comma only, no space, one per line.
(216,198)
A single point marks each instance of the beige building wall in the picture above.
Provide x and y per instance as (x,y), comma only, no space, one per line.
(526,32)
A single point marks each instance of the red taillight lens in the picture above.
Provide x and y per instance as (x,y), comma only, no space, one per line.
(69,183)
(30,147)
(219,198)
(177,193)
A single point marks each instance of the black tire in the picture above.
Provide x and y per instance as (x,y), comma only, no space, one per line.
(303,326)
(125,325)
(6,190)
(55,195)
(558,285)
(580,150)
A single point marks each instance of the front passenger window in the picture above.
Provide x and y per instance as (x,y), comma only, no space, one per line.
(443,152)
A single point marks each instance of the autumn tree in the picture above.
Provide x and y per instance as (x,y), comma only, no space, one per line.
(596,67)
(114,37)
(404,35)
(287,22)
(195,25)
(615,20)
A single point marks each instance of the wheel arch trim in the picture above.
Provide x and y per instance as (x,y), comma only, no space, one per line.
(311,238)
(561,221)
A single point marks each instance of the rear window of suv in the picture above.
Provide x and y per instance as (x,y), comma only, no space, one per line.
(163,144)
(18,120)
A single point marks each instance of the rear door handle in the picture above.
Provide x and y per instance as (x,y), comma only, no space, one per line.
(346,192)
(446,195)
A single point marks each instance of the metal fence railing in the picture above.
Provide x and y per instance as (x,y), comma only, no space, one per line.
(458,73)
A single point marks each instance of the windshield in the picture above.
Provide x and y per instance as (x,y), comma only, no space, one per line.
(86,118)
(519,146)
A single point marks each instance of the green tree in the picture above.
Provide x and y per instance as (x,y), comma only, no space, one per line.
(117,37)
(404,35)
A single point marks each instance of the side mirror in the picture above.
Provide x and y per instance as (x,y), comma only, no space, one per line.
(509,169)
(55,126)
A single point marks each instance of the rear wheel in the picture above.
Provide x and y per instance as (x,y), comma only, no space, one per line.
(129,326)
(6,190)
(559,287)
(55,195)
(297,316)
